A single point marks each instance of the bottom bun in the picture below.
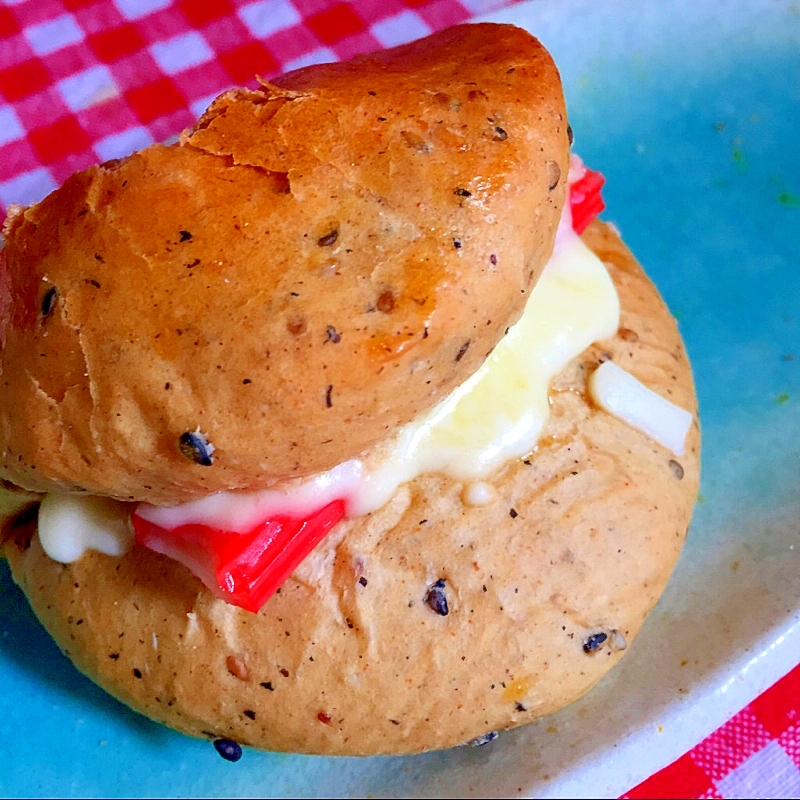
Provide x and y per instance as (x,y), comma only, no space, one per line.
(544,588)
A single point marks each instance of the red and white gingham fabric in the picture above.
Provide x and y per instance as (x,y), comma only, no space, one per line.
(83,81)
(754,754)
(89,80)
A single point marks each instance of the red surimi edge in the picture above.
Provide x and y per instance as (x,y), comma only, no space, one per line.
(243,569)
(585,200)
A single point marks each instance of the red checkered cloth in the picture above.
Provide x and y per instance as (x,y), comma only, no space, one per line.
(83,81)
(754,754)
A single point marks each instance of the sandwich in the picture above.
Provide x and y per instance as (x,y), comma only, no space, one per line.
(342,425)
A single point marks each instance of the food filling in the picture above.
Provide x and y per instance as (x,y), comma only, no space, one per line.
(244,545)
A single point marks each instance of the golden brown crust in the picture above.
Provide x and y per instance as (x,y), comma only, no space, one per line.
(315,264)
(581,541)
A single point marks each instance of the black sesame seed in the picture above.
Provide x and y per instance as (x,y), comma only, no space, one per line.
(332,335)
(480,741)
(246,381)
(98,257)
(435,598)
(228,749)
(249,714)
(362,580)
(570,135)
(463,192)
(328,400)
(493,260)
(137,673)
(195,447)
(594,642)
(185,236)
(677,469)
(500,134)
(329,238)
(462,350)
(513,513)
(49,301)
(457,244)
(268,685)
(520,707)
(553,175)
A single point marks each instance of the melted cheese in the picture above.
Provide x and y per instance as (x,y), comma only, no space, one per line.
(619,393)
(71,524)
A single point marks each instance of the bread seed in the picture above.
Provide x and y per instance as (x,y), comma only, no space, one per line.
(195,447)
(480,741)
(435,598)
(329,238)
(462,350)
(677,469)
(49,302)
(228,749)
(238,667)
(553,175)
(594,642)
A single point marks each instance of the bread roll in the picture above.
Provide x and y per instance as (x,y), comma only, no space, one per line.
(544,589)
(316,263)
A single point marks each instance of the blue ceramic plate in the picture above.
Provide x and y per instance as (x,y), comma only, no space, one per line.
(692,111)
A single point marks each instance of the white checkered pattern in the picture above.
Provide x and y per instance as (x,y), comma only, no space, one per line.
(321,55)
(27,188)
(83,81)
(10,127)
(122,144)
(399,29)
(87,88)
(184,51)
(136,9)
(266,17)
(53,35)
(769,772)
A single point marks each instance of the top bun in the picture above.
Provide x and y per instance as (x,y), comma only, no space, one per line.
(316,263)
